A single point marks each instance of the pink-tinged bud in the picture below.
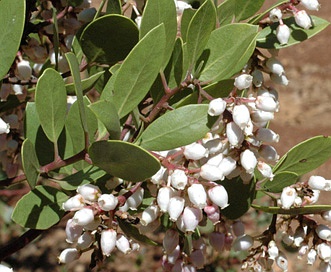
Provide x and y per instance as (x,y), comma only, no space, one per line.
(179,179)
(198,259)
(281,80)
(311,256)
(228,241)
(18,89)
(282,262)
(174,255)
(163,197)
(170,240)
(283,34)
(257,78)
(216,107)
(89,192)
(180,224)
(243,81)
(211,172)
(216,160)
(323,232)
(269,153)
(241,115)
(123,244)
(275,15)
(197,195)
(265,169)
(191,218)
(74,203)
(4,268)
(216,240)
(302,19)
(73,231)
(188,268)
(149,215)
(311,4)
(195,151)
(273,250)
(175,207)
(23,70)
(150,227)
(12,120)
(326,215)
(214,146)
(311,199)
(86,15)
(242,243)
(94,224)
(324,252)
(235,134)
(267,135)
(4,127)
(213,213)
(259,116)
(85,240)
(181,6)
(303,249)
(84,217)
(319,183)
(159,176)
(68,255)
(267,103)
(275,66)
(248,161)
(107,202)
(228,165)
(135,199)
(108,241)
(287,197)
(238,228)
(219,196)
(288,237)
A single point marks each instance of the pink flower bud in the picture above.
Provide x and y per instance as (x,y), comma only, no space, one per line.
(219,196)
(267,135)
(159,176)
(238,228)
(287,197)
(122,244)
(107,202)
(323,232)
(68,255)
(243,81)
(267,103)
(175,207)
(265,169)
(179,179)
(311,4)
(269,153)
(73,231)
(235,134)
(241,115)
(283,34)
(163,197)
(149,215)
(214,146)
(257,78)
(94,224)
(216,107)
(242,243)
(89,192)
(191,218)
(74,203)
(248,161)
(216,240)
(195,151)
(275,66)
(23,70)
(211,172)
(108,241)
(84,217)
(85,240)
(135,199)
(174,255)
(170,240)
(275,15)
(197,195)
(213,213)
(4,127)
(198,259)
(302,19)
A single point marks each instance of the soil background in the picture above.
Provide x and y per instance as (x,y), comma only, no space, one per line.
(305,111)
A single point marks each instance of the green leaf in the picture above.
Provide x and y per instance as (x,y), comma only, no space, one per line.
(106,112)
(200,27)
(305,156)
(30,163)
(155,13)
(87,83)
(40,208)
(225,12)
(267,37)
(51,103)
(280,180)
(109,39)
(177,128)
(138,71)
(185,22)
(133,232)
(308,209)
(240,197)
(247,8)
(124,160)
(12,18)
(225,54)
(114,7)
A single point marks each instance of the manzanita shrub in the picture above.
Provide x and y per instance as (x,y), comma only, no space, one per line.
(138,117)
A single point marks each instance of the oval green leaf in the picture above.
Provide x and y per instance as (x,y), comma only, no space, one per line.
(87,83)
(30,163)
(12,18)
(246,8)
(267,37)
(109,39)
(177,128)
(40,208)
(280,180)
(124,160)
(225,54)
